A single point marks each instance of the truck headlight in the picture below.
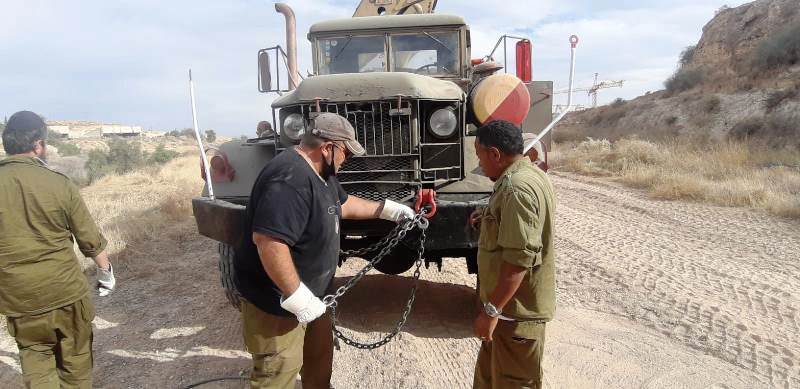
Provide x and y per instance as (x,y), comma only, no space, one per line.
(294,126)
(443,122)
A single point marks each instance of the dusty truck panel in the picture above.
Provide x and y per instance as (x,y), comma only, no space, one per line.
(541,109)
(370,86)
(247,160)
(404,83)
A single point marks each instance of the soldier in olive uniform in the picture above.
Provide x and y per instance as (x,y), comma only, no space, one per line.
(43,292)
(515,262)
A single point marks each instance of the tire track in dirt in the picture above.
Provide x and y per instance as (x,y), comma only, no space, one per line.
(722,280)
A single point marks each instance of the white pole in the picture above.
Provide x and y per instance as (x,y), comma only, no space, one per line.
(573,41)
(200,139)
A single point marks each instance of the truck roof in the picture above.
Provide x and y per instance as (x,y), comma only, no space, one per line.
(384,22)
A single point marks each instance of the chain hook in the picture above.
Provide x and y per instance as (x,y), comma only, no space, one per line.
(426,203)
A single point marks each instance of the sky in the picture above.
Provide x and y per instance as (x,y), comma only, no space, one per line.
(127,61)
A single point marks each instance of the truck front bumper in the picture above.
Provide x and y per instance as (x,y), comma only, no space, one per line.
(449,228)
(220,220)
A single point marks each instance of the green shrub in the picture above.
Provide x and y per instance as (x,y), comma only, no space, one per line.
(618,102)
(686,55)
(161,155)
(747,128)
(684,79)
(125,156)
(773,130)
(122,157)
(97,165)
(776,98)
(779,50)
(211,136)
(68,149)
(671,120)
(188,132)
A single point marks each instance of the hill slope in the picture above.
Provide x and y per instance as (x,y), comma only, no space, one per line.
(741,80)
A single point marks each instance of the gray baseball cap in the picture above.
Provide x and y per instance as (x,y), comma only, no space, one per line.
(334,127)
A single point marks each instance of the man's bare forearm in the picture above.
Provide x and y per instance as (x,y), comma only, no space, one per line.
(101,260)
(277,262)
(356,208)
(508,281)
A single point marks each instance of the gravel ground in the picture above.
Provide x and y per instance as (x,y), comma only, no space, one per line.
(651,295)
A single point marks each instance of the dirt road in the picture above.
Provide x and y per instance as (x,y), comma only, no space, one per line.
(651,295)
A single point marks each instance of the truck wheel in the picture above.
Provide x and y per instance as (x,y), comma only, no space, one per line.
(226,255)
(397,261)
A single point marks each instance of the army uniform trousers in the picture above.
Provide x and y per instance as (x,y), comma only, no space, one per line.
(281,348)
(55,347)
(513,359)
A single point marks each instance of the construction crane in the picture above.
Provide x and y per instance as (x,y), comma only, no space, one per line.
(592,90)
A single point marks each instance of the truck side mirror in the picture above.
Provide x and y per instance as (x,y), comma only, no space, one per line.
(264,72)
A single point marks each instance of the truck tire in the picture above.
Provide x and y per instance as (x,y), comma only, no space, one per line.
(397,261)
(226,255)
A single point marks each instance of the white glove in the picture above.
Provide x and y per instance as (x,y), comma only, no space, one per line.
(105,280)
(396,212)
(304,304)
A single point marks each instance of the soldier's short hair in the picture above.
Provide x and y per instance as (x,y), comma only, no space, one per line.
(503,135)
(23,130)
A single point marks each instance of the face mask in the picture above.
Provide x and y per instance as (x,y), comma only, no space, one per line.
(328,168)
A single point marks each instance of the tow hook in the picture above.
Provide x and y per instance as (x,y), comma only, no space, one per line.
(426,199)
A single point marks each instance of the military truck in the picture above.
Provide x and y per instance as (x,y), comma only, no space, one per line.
(405,79)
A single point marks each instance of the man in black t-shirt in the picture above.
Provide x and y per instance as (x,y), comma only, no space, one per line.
(294,214)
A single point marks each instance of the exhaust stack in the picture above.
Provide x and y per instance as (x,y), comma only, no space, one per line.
(291,43)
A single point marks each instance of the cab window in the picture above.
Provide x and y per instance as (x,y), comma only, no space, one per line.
(351,54)
(428,53)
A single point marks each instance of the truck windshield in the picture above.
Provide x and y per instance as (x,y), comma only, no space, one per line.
(352,54)
(429,53)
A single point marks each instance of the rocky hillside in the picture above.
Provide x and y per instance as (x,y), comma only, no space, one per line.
(739,40)
(741,81)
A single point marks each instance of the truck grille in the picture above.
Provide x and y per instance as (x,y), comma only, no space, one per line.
(383,169)
(380,192)
(377,129)
(399,159)
(384,129)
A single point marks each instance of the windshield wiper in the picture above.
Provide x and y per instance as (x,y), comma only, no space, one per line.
(344,46)
(435,39)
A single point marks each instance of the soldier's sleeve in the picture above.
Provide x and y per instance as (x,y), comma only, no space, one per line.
(520,233)
(90,241)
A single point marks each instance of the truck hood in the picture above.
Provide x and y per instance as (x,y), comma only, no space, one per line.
(370,86)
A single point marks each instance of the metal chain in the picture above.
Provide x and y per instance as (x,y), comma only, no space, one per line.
(389,242)
(375,247)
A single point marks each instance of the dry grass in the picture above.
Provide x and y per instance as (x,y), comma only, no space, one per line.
(728,173)
(145,204)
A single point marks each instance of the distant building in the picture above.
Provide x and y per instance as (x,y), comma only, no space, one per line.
(73,129)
